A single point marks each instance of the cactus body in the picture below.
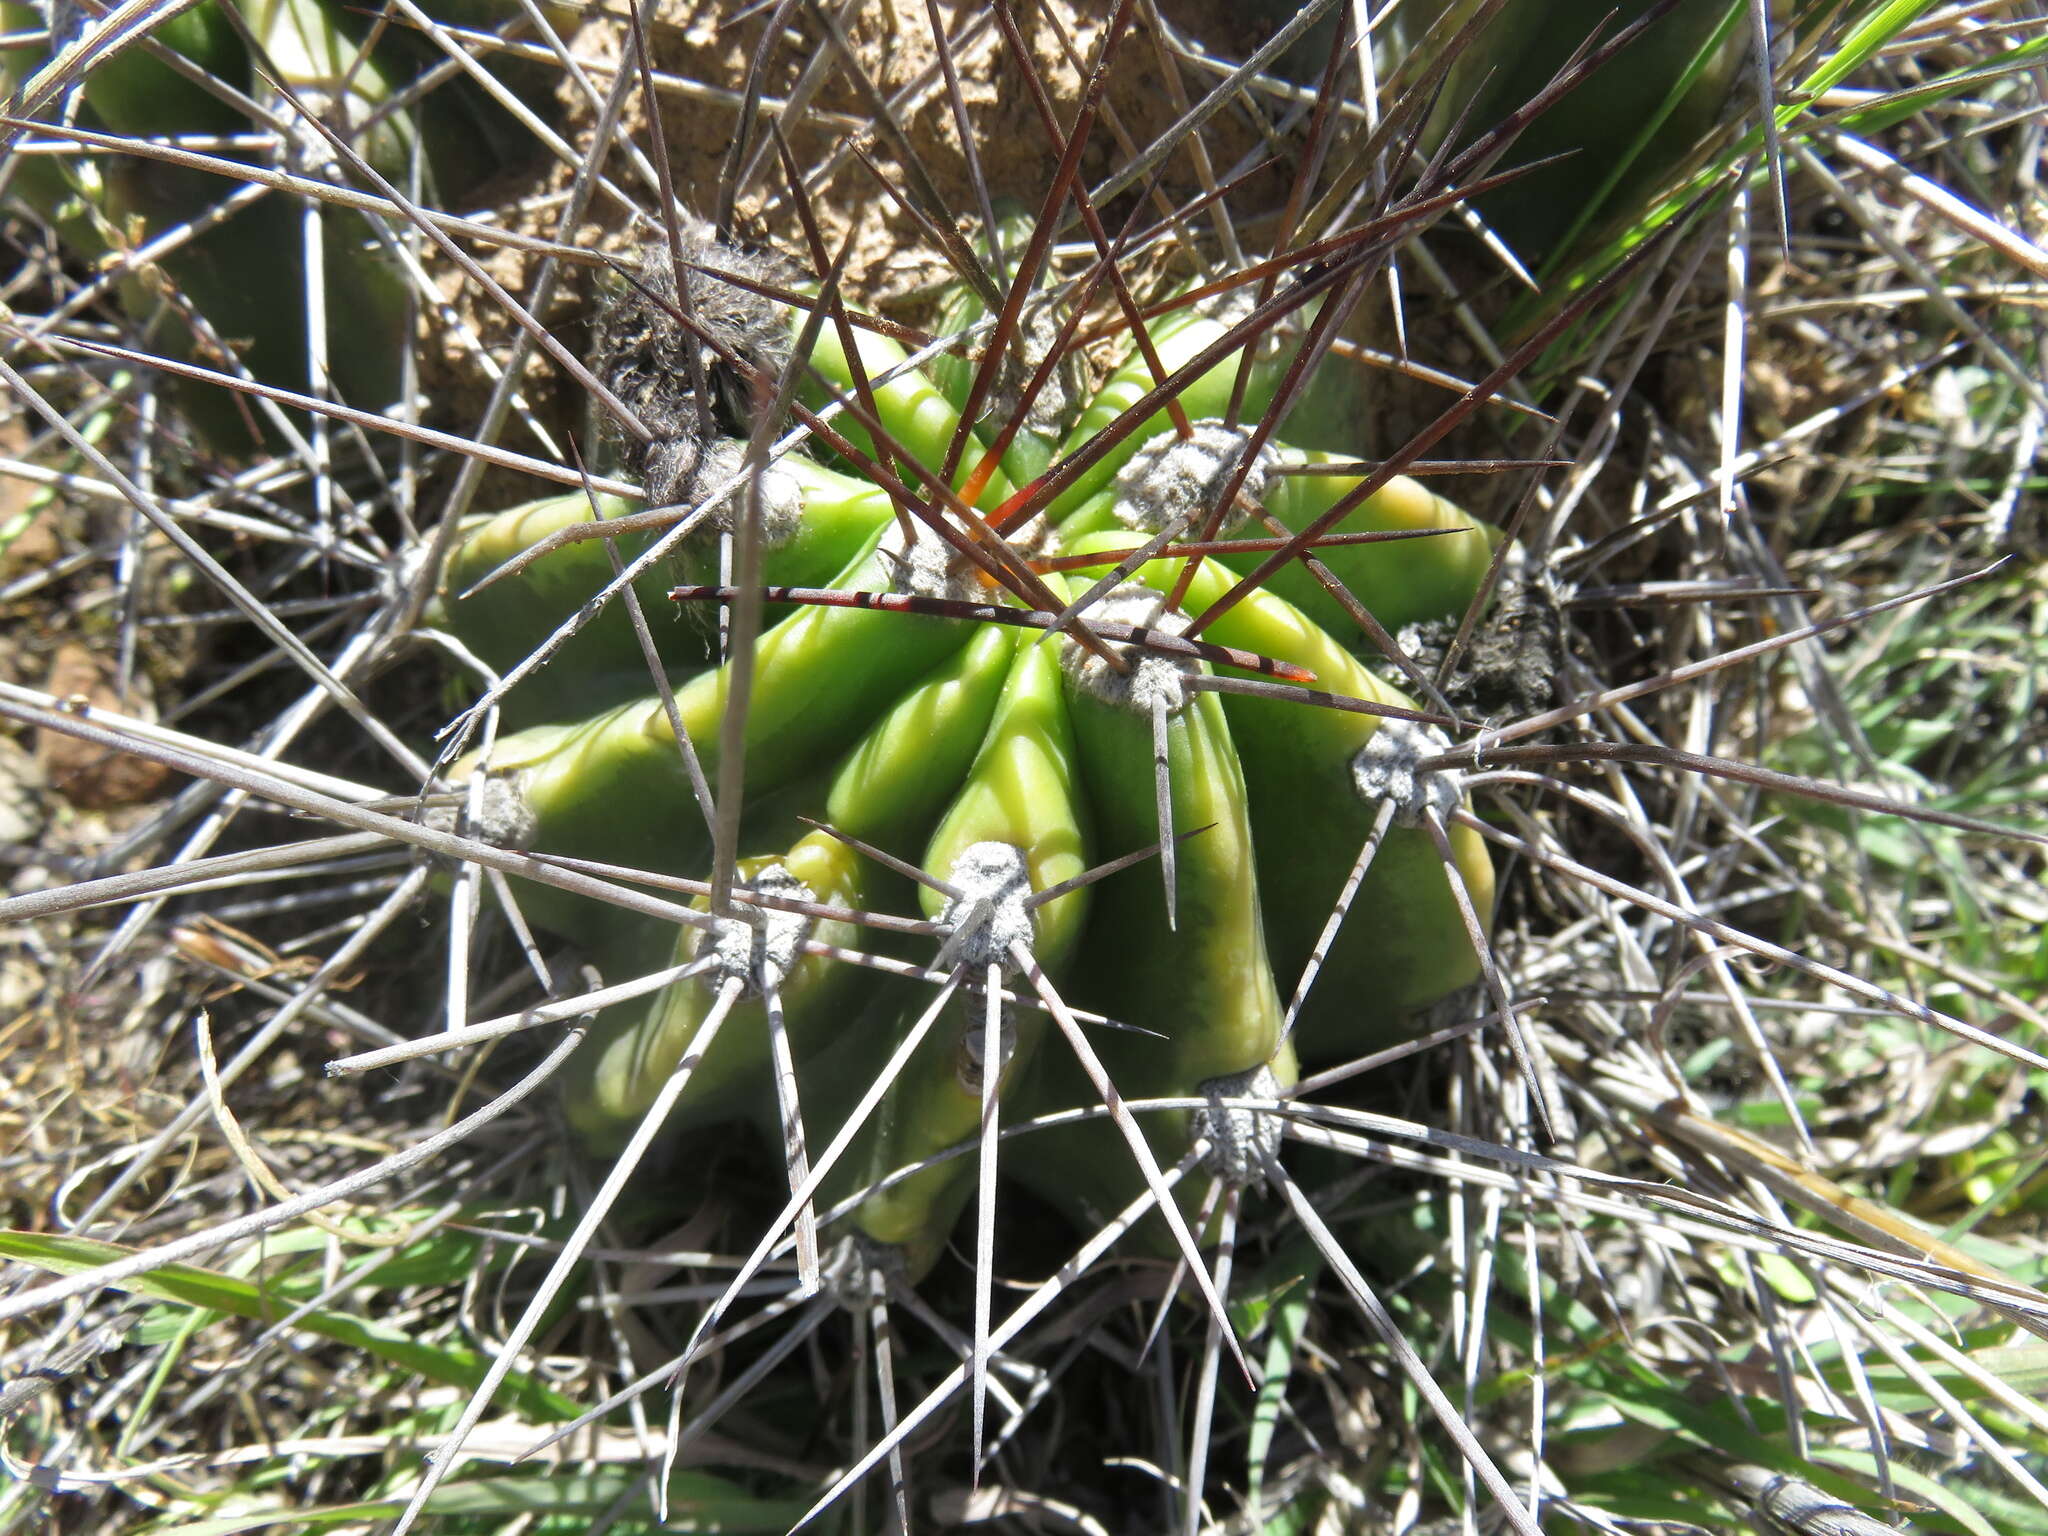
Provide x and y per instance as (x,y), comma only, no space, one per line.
(1022,799)
(881,792)
(1015,759)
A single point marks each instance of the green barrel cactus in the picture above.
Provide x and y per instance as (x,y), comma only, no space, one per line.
(993,762)
(1611,142)
(240,283)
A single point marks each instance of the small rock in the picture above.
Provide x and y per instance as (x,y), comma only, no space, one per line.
(92,777)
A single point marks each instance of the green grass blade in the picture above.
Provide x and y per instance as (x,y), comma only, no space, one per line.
(189,1286)
(1898,106)
(1287,1314)
(697,1502)
(1864,40)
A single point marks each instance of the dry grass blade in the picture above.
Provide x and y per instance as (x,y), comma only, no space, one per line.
(34,1298)
(1712,928)
(1741,773)
(449,1456)
(244,600)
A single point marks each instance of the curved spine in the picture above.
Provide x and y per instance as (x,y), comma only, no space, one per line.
(1036,439)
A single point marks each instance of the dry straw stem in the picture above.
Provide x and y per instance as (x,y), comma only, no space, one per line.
(1720,1196)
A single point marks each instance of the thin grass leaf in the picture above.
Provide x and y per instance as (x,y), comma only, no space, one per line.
(698,1502)
(186,1285)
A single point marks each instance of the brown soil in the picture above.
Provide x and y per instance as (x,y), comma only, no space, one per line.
(896,266)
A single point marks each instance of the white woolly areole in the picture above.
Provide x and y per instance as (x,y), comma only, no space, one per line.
(1175,481)
(1037,332)
(782,494)
(759,946)
(1153,678)
(847,1267)
(930,567)
(1036,540)
(501,816)
(307,150)
(997,874)
(1385,769)
(1239,1139)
